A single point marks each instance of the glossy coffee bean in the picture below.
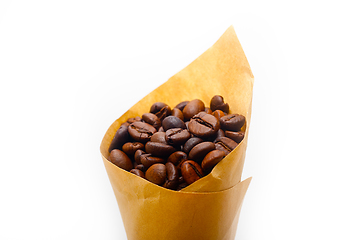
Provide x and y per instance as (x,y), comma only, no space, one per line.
(177,136)
(218,114)
(177,157)
(212,159)
(191,143)
(121,136)
(138,172)
(164,112)
(235,136)
(232,122)
(208,110)
(192,108)
(156,174)
(148,160)
(156,107)
(120,159)
(172,177)
(191,171)
(152,119)
(172,122)
(141,131)
(177,113)
(135,119)
(217,103)
(131,147)
(181,105)
(204,125)
(159,149)
(225,144)
(200,150)
(140,167)
(137,155)
(159,137)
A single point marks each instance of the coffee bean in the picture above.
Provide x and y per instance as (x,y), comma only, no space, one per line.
(212,159)
(192,108)
(121,136)
(136,119)
(177,113)
(159,149)
(140,167)
(137,155)
(156,174)
(218,114)
(148,160)
(141,132)
(152,119)
(191,171)
(235,136)
(137,172)
(208,110)
(177,136)
(156,107)
(158,137)
(181,105)
(172,177)
(172,122)
(164,112)
(204,125)
(232,122)
(177,157)
(131,147)
(200,150)
(225,144)
(217,103)
(120,159)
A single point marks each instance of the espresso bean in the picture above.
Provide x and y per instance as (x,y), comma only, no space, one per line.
(204,125)
(192,108)
(217,103)
(148,160)
(172,177)
(131,147)
(225,144)
(200,150)
(218,114)
(235,136)
(156,174)
(159,149)
(172,122)
(177,136)
(191,143)
(158,137)
(156,107)
(177,157)
(138,172)
(177,113)
(232,122)
(120,159)
(212,159)
(164,112)
(191,171)
(137,155)
(121,136)
(152,119)
(141,132)
(181,105)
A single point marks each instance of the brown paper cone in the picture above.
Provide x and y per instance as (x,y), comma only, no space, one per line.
(208,208)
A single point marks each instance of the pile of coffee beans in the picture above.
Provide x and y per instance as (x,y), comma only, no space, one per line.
(175,147)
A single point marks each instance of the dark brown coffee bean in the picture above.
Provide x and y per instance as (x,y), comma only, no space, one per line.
(181,105)
(121,136)
(159,137)
(159,149)
(235,136)
(136,119)
(172,122)
(140,167)
(232,122)
(152,119)
(217,103)
(148,160)
(212,159)
(191,143)
(141,132)
(156,107)
(225,144)
(203,125)
(177,136)
(181,186)
(156,174)
(200,150)
(191,171)
(171,181)
(177,157)
(131,147)
(219,134)
(218,114)
(192,108)
(164,112)
(177,113)
(138,172)
(120,159)
(137,155)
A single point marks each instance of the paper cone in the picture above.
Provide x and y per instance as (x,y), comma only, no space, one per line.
(208,208)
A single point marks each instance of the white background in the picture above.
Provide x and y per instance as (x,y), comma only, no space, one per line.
(66,70)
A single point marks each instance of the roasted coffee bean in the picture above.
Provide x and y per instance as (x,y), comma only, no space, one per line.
(200,150)
(232,122)
(148,160)
(164,112)
(131,147)
(235,136)
(156,174)
(161,129)
(137,172)
(140,167)
(171,181)
(136,119)
(225,144)
(120,159)
(192,108)
(208,110)
(191,171)
(156,107)
(152,119)
(172,122)
(137,155)
(218,114)
(204,125)
(181,105)
(158,137)
(177,136)
(219,134)
(217,103)
(191,143)
(177,157)
(121,136)
(141,132)
(181,186)
(177,113)
(159,149)
(212,159)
